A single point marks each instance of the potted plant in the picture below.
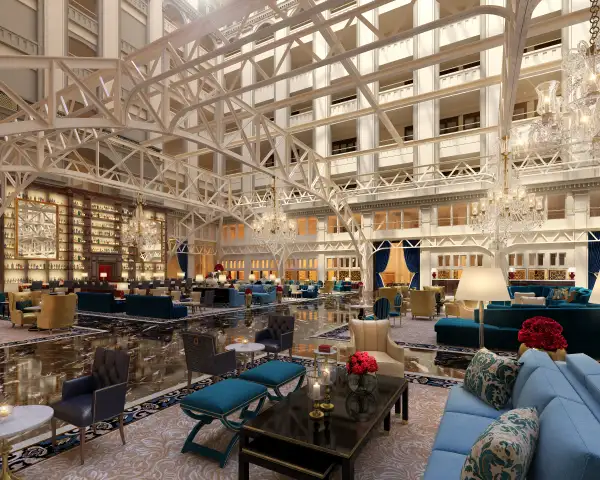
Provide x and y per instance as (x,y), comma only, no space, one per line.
(248,297)
(543,333)
(362,368)
(279,293)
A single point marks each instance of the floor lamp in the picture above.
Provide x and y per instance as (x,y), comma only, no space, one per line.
(482,285)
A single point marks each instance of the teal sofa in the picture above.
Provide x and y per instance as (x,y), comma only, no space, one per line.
(342,286)
(310,291)
(236,297)
(99,302)
(581,327)
(154,307)
(581,298)
(567,398)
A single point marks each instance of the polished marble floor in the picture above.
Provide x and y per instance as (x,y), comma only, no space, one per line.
(33,374)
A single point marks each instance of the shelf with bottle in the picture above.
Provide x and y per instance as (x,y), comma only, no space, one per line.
(105,218)
(100,207)
(107,226)
(103,249)
(97,235)
(9,234)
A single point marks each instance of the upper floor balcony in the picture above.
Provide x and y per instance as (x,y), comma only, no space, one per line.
(537,56)
(83,22)
(459,77)
(463,145)
(338,70)
(459,31)
(396,51)
(395,157)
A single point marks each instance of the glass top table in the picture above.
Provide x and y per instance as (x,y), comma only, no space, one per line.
(283,438)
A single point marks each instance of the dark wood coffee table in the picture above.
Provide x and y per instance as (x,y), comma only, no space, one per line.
(284,438)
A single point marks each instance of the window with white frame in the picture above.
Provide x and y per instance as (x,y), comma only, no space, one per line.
(595,204)
(396,219)
(234,268)
(451,265)
(335,225)
(556,206)
(263,268)
(307,225)
(301,269)
(232,232)
(453,214)
(341,268)
(539,265)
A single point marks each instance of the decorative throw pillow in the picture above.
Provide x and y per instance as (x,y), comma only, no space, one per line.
(491,377)
(23,304)
(505,449)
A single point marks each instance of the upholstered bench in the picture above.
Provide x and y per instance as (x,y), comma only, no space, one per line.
(217,402)
(275,374)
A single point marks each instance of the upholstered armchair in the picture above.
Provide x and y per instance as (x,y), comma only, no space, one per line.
(20,317)
(387,292)
(466,309)
(201,356)
(279,334)
(422,303)
(374,338)
(328,288)
(176,295)
(58,311)
(96,397)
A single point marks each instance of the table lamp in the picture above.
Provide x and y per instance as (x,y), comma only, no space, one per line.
(222,278)
(199,278)
(278,281)
(251,277)
(482,285)
(595,296)
(272,277)
(180,274)
(103,275)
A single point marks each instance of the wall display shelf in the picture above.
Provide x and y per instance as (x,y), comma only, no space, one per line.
(89,229)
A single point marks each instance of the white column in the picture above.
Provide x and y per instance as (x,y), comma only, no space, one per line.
(248,78)
(55,38)
(425,269)
(367,125)
(425,114)
(321,232)
(321,105)
(282,90)
(219,162)
(110,29)
(580,254)
(491,64)
(155,30)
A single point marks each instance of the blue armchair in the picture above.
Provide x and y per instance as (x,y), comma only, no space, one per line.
(312,291)
(236,298)
(279,334)
(96,397)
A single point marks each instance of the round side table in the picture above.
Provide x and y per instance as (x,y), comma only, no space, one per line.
(22,419)
(246,349)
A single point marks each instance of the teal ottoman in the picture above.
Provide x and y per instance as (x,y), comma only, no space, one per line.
(275,374)
(217,402)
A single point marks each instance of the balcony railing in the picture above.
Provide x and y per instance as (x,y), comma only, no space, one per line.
(396,51)
(461,30)
(460,77)
(18,42)
(344,107)
(83,17)
(542,55)
(302,81)
(301,117)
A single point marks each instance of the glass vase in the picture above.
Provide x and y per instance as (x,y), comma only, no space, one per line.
(362,384)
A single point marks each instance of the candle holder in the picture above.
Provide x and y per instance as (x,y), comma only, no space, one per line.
(315,393)
(5,411)
(328,378)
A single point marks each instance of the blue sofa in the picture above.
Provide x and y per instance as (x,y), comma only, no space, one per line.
(310,291)
(581,327)
(581,298)
(342,286)
(262,294)
(567,398)
(236,298)
(154,307)
(99,302)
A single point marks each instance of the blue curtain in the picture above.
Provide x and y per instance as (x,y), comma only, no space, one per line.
(412,257)
(182,257)
(593,258)
(382,256)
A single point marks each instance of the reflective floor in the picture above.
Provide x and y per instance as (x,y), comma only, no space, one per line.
(33,374)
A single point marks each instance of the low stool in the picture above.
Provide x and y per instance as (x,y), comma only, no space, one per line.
(274,375)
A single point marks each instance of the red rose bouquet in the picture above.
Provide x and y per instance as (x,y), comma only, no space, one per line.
(248,291)
(361,363)
(219,267)
(542,333)
(279,288)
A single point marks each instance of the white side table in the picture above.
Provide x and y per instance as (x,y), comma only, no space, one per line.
(22,419)
(246,348)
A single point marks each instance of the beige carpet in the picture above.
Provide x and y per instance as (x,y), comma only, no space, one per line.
(153,449)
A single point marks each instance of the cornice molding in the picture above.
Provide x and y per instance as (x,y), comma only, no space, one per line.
(258,18)
(18,42)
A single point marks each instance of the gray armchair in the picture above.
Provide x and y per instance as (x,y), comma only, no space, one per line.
(96,397)
(279,334)
(201,356)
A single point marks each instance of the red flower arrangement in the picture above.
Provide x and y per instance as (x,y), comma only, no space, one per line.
(248,291)
(361,363)
(542,333)
(361,284)
(219,267)
(279,288)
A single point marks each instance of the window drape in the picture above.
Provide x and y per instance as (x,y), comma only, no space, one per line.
(412,257)
(182,257)
(593,258)
(382,257)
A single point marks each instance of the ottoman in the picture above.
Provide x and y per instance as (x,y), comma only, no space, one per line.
(217,402)
(274,375)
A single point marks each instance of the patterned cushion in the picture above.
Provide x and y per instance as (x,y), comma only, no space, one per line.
(23,304)
(505,449)
(491,377)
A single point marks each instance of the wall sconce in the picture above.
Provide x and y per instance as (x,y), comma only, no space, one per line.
(571,272)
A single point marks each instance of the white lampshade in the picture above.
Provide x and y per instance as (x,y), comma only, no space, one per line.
(595,296)
(180,274)
(511,269)
(222,278)
(199,278)
(103,275)
(272,277)
(124,276)
(434,270)
(251,277)
(572,270)
(482,284)
(84,275)
(347,279)
(278,281)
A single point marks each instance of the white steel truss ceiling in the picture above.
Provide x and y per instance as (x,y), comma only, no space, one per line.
(107,97)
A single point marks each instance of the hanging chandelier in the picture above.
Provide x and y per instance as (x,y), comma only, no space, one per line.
(273,229)
(506,211)
(143,233)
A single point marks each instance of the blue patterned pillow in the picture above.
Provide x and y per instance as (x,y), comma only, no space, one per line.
(491,377)
(505,449)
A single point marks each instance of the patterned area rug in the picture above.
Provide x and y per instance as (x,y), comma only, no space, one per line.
(153,445)
(417,334)
(17,336)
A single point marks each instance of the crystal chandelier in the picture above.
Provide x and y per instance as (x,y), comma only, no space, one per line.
(143,233)
(506,211)
(582,86)
(273,229)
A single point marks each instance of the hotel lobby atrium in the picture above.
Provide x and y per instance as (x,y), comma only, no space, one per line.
(311,239)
